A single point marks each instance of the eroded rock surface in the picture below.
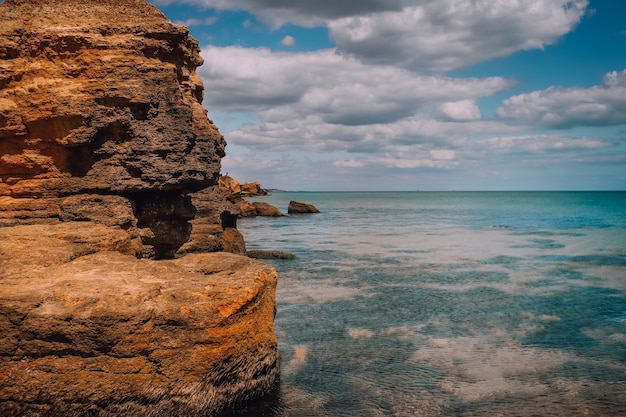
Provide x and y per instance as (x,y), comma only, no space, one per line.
(298,207)
(109,334)
(102,97)
(252,189)
(108,163)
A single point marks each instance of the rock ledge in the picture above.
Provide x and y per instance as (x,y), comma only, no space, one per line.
(108,334)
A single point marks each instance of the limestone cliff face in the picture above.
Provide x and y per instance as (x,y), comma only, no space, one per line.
(109,304)
(101,97)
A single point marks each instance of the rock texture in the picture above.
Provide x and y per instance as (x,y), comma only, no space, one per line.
(266,209)
(93,332)
(270,254)
(109,200)
(101,97)
(297,207)
(252,189)
(240,207)
(215,226)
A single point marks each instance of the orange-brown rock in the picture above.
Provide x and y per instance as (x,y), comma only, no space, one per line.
(231,185)
(107,162)
(298,207)
(252,189)
(102,97)
(266,209)
(108,334)
(215,226)
(246,209)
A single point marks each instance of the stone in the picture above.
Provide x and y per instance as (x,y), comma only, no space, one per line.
(252,189)
(108,334)
(101,97)
(297,207)
(214,228)
(110,210)
(266,209)
(246,209)
(109,196)
(270,254)
(23,211)
(230,184)
(31,247)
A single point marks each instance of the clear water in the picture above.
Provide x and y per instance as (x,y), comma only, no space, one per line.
(450,304)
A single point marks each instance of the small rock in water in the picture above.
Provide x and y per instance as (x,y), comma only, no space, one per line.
(270,254)
(297,207)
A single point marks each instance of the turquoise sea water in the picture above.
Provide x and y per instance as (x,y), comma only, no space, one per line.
(450,304)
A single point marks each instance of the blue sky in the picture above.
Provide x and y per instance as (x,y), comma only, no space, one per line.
(415,94)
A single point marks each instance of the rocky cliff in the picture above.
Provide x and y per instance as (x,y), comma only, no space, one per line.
(108,162)
(102,98)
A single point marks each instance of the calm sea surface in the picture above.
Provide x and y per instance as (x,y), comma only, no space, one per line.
(450,304)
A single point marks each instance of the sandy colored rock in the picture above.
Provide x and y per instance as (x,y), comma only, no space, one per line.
(108,334)
(252,189)
(107,158)
(266,209)
(27,248)
(297,207)
(101,98)
(21,211)
(246,209)
(232,185)
(100,95)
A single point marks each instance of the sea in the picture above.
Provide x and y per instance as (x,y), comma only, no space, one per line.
(449,303)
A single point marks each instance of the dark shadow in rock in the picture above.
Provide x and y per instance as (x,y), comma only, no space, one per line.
(166,214)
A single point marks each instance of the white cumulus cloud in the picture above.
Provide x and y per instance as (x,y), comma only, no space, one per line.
(602,105)
(421,34)
(462,110)
(541,143)
(451,34)
(283,86)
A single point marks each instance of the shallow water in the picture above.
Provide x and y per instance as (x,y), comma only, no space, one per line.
(439,304)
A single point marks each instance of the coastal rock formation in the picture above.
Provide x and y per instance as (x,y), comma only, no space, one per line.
(266,209)
(246,209)
(270,254)
(234,193)
(230,185)
(214,228)
(297,207)
(188,336)
(252,189)
(101,97)
(108,197)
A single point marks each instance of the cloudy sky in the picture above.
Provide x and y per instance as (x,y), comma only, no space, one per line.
(415,94)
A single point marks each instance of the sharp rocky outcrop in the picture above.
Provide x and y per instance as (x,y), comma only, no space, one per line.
(109,302)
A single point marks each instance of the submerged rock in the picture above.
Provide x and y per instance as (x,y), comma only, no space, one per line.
(270,254)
